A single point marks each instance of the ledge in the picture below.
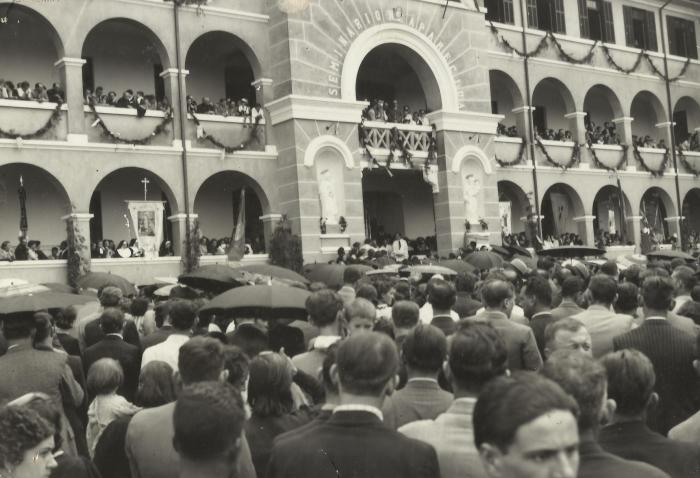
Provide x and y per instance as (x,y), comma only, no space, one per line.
(508,139)
(399,126)
(223,12)
(111,110)
(32,105)
(466,121)
(315,108)
(221,118)
(606,147)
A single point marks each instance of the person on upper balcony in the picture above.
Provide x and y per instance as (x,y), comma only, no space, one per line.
(394,114)
(380,112)
(206,106)
(126,100)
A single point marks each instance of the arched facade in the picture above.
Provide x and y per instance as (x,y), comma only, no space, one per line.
(608,209)
(657,206)
(506,96)
(648,111)
(602,105)
(512,200)
(552,101)
(691,210)
(686,115)
(562,210)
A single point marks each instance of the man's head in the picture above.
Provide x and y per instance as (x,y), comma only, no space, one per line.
(183,315)
(567,334)
(631,380)
(323,307)
(498,295)
(465,283)
(405,314)
(442,295)
(571,288)
(627,298)
(111,296)
(657,295)
(112,321)
(351,275)
(477,354)
(525,426)
(208,422)
(424,350)
(684,280)
(603,290)
(609,268)
(360,315)
(585,380)
(201,359)
(536,296)
(366,365)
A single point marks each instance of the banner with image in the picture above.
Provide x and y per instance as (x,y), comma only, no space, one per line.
(560,209)
(147,218)
(504,212)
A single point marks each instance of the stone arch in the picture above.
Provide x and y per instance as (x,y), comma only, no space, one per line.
(608,198)
(691,209)
(552,100)
(602,104)
(471,152)
(657,205)
(320,143)
(561,208)
(507,96)
(688,109)
(434,72)
(647,110)
(508,191)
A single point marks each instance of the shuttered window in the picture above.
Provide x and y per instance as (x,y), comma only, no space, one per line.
(546,15)
(596,21)
(532,14)
(608,24)
(500,11)
(583,24)
(559,23)
(640,28)
(681,37)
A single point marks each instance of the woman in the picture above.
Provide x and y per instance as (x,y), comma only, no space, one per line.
(136,250)
(143,317)
(204,246)
(26,444)
(123,250)
(272,406)
(166,249)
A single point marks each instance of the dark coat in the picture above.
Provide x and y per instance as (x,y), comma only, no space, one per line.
(128,356)
(93,333)
(465,305)
(69,343)
(596,463)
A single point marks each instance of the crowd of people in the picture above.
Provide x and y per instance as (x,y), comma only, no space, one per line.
(23,90)
(226,107)
(390,112)
(552,135)
(691,143)
(512,372)
(510,131)
(386,249)
(139,101)
(30,250)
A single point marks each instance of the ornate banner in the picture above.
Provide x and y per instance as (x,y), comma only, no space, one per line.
(147,217)
(504,212)
(560,208)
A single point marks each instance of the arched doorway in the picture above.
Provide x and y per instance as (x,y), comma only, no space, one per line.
(122,54)
(648,111)
(686,116)
(505,97)
(691,212)
(108,204)
(561,205)
(46,203)
(217,203)
(655,208)
(513,207)
(221,66)
(552,101)
(610,217)
(602,106)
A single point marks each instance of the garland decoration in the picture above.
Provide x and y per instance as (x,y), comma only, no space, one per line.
(77,265)
(656,173)
(48,126)
(567,57)
(599,164)
(575,155)
(542,45)
(611,61)
(518,159)
(688,165)
(364,142)
(116,137)
(202,135)
(661,74)
(400,143)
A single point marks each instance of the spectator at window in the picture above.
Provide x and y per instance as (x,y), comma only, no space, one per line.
(40,94)
(127,99)
(221,107)
(139,102)
(206,106)
(394,114)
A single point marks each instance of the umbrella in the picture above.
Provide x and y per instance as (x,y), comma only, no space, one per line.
(670,254)
(41,301)
(276,272)
(571,251)
(431,270)
(484,260)
(459,266)
(632,259)
(98,280)
(22,289)
(390,270)
(517,250)
(216,277)
(259,301)
(331,274)
(502,251)
(58,287)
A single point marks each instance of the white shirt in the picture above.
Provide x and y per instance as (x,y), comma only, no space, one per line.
(167,351)
(360,408)
(516,315)
(426,314)
(400,248)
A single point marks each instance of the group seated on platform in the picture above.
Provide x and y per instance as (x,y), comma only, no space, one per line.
(386,249)
(607,239)
(226,107)
(106,249)
(139,101)
(378,110)
(509,131)
(23,90)
(220,247)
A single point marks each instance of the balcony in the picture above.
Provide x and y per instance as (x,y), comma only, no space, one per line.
(609,155)
(124,123)
(559,152)
(26,117)
(693,159)
(508,149)
(230,131)
(416,138)
(653,158)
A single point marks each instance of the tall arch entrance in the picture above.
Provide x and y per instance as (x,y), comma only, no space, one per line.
(611,208)
(562,210)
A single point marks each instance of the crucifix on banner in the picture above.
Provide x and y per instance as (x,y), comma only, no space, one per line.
(145,183)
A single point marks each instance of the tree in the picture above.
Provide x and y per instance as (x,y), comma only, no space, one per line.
(285,247)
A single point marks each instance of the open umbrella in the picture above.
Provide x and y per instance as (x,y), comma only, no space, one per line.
(502,251)
(98,280)
(216,278)
(22,289)
(459,266)
(275,272)
(41,301)
(670,254)
(259,301)
(484,260)
(571,251)
(517,250)
(331,274)
(430,270)
(58,287)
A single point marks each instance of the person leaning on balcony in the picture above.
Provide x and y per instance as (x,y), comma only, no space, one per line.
(126,100)
(40,94)
(206,106)
(5,252)
(380,112)
(5,92)
(394,114)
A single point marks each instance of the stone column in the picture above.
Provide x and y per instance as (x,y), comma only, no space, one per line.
(577,125)
(635,230)
(674,227)
(664,132)
(264,95)
(522,121)
(179,232)
(71,78)
(585,229)
(81,224)
(623,126)
(269,223)
(170,77)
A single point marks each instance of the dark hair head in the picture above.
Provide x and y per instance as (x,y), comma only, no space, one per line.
(162,311)
(208,421)
(603,289)
(609,268)
(200,359)
(269,393)
(507,403)
(104,376)
(539,288)
(237,364)
(66,317)
(571,286)
(685,278)
(405,314)
(657,293)
(690,309)
(111,296)
(695,293)
(632,274)
(494,292)
(21,429)
(42,324)
(156,385)
(627,297)
(112,321)
(424,349)
(138,306)
(323,307)
(351,275)
(402,291)
(631,380)
(51,412)
(183,314)
(465,283)
(545,263)
(360,308)
(367,292)
(385,326)
(366,362)
(442,295)
(477,354)
(584,379)
(329,360)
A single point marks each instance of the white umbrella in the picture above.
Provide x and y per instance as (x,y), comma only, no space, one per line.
(22,289)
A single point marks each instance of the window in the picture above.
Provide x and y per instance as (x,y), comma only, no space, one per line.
(546,15)
(596,20)
(500,11)
(681,37)
(640,28)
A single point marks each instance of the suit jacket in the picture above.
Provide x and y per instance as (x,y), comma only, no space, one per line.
(603,325)
(538,324)
(672,352)
(352,443)
(69,343)
(687,431)
(465,305)
(520,340)
(157,337)
(566,309)
(419,400)
(128,356)
(149,446)
(634,441)
(93,333)
(597,463)
(452,436)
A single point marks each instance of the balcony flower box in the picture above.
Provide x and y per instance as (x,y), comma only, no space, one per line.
(610,155)
(507,148)
(26,117)
(123,121)
(559,152)
(227,130)
(653,158)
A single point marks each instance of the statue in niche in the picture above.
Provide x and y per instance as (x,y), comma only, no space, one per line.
(471,186)
(326,192)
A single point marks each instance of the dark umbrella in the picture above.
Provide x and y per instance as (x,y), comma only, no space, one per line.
(276,272)
(216,278)
(517,250)
(98,280)
(670,254)
(502,251)
(484,260)
(259,301)
(571,251)
(459,266)
(23,224)
(41,301)
(331,274)
(58,287)
(430,270)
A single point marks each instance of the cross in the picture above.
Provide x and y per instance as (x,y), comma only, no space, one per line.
(145,182)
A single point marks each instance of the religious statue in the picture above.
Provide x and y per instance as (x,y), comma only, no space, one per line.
(326,192)
(471,187)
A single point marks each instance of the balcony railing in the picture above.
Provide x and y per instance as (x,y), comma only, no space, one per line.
(26,117)
(509,150)
(609,155)
(560,152)
(124,123)
(229,131)
(653,159)
(380,136)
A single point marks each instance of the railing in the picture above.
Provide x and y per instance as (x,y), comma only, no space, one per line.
(653,159)
(124,123)
(559,152)
(508,150)
(693,160)
(26,117)
(609,155)
(229,131)
(416,138)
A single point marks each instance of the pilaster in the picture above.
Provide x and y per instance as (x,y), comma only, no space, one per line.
(81,221)
(179,222)
(171,78)
(585,225)
(71,78)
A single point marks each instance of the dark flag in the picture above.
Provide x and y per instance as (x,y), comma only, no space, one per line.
(23,225)
(237,249)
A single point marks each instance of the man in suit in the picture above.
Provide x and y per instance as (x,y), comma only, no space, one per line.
(110,297)
(566,334)
(466,305)
(584,379)
(601,322)
(113,346)
(684,280)
(149,437)
(670,350)
(183,316)
(689,430)
(631,381)
(441,297)
(516,441)
(477,354)
(571,290)
(165,329)
(426,312)
(423,352)
(498,299)
(536,301)
(354,442)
